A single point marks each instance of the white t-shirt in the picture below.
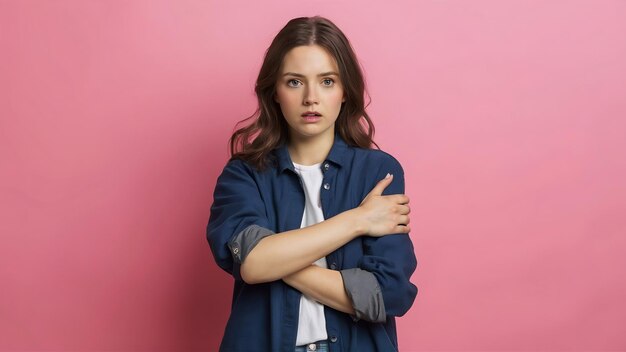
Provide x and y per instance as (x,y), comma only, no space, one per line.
(311,322)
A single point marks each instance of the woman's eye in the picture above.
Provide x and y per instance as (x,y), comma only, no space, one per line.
(294,82)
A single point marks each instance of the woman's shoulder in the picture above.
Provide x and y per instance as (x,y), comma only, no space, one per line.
(239,165)
(236,169)
(236,164)
(377,157)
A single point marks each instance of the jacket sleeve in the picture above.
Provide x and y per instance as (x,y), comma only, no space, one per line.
(390,258)
(238,220)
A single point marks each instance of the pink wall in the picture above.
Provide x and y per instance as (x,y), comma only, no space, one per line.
(508,116)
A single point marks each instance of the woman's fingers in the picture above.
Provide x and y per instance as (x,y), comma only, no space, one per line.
(381,185)
(402,209)
(402,229)
(401,199)
(403,220)
(397,198)
(386,213)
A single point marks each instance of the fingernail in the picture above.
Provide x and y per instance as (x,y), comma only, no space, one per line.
(388,175)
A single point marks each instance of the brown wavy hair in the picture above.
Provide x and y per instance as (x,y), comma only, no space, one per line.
(254,142)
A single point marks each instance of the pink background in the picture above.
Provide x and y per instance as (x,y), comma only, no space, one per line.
(509,118)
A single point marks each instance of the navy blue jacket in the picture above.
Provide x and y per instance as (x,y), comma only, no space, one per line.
(264,316)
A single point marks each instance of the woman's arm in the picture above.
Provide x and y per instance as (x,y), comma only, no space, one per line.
(279,255)
(323,285)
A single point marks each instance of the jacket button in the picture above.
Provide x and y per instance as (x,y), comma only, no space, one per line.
(326,166)
(326,186)
(333,266)
(333,339)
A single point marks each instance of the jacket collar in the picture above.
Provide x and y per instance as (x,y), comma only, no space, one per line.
(337,154)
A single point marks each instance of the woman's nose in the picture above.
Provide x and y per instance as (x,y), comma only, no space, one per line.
(310,96)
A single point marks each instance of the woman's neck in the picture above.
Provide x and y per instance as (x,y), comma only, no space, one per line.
(310,151)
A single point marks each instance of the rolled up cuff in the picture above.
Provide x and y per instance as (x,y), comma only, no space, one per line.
(241,245)
(363,290)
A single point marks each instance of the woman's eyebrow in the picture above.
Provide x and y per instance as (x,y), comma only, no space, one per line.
(330,73)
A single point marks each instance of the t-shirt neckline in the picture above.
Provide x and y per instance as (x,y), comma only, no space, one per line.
(306,167)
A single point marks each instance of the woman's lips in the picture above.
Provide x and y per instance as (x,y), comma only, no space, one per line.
(311,118)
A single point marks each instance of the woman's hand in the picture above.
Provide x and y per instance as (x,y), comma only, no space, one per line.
(382,215)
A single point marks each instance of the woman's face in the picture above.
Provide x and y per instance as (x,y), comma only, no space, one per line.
(309,81)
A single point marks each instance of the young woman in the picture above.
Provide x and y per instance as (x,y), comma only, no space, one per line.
(309,219)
